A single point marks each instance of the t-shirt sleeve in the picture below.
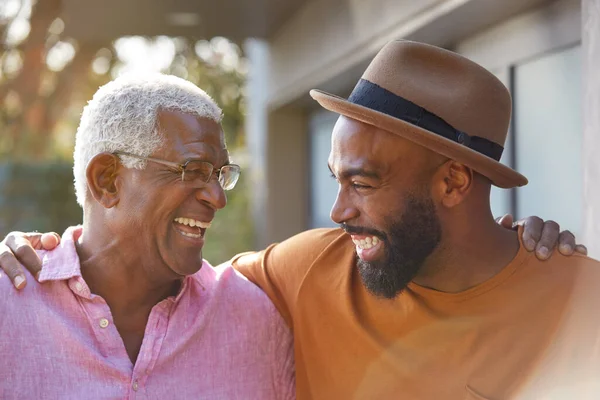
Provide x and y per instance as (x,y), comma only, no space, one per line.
(280,269)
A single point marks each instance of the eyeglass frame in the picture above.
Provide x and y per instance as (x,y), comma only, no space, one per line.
(181,167)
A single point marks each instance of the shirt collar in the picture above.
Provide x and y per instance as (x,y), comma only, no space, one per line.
(63,262)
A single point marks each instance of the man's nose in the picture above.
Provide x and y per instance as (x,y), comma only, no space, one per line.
(212,194)
(343,210)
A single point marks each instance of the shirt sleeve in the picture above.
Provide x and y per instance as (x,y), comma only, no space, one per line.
(283,361)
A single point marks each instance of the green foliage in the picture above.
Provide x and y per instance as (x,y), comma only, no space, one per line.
(231,231)
(37,197)
(41,102)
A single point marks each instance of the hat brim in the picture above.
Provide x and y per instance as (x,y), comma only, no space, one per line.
(500,175)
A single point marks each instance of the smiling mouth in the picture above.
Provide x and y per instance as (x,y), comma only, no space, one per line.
(365,243)
(368,248)
(190,227)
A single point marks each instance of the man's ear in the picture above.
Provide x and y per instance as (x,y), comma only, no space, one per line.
(453,182)
(102,174)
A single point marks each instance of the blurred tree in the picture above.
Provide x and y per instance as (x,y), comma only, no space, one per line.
(45,81)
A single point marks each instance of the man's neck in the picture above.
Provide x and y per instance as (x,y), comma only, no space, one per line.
(126,283)
(468,255)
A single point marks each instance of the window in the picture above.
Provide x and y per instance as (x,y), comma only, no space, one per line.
(501,199)
(323,189)
(549,136)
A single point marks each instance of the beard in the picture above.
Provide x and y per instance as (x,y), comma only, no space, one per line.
(409,241)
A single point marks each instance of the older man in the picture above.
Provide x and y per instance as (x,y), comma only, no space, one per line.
(129,308)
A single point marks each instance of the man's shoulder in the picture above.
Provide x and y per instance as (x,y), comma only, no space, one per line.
(573,264)
(317,239)
(580,265)
(224,282)
(569,274)
(300,250)
(282,268)
(33,296)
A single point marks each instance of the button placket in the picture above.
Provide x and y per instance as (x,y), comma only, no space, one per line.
(100,318)
(156,329)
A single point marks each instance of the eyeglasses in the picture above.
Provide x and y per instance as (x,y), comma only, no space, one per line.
(196,170)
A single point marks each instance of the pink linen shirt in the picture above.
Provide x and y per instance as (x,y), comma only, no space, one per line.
(219,338)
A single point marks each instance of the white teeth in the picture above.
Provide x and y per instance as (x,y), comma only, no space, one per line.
(190,235)
(366,243)
(192,222)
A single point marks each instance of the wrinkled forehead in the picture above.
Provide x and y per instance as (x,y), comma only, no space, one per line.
(189,127)
(188,133)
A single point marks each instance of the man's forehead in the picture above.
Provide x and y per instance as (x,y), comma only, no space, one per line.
(355,138)
(357,145)
(349,131)
(189,127)
(184,118)
(188,136)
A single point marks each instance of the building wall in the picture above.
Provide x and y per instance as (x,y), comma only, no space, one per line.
(538,31)
(328,36)
(287,174)
(277,141)
(329,43)
(591,120)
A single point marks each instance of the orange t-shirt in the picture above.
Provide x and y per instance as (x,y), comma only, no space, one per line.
(530,332)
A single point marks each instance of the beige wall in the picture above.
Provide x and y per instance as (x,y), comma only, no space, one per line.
(256,124)
(277,140)
(525,36)
(287,174)
(327,36)
(591,131)
(329,39)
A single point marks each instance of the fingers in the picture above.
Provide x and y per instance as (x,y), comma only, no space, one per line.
(544,236)
(581,249)
(548,240)
(50,240)
(506,221)
(21,247)
(532,231)
(11,267)
(39,241)
(566,243)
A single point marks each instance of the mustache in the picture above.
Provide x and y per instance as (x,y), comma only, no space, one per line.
(359,230)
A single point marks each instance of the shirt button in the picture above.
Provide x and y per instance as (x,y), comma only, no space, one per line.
(135,386)
(78,286)
(103,323)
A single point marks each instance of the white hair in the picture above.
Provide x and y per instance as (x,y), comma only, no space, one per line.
(122,116)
